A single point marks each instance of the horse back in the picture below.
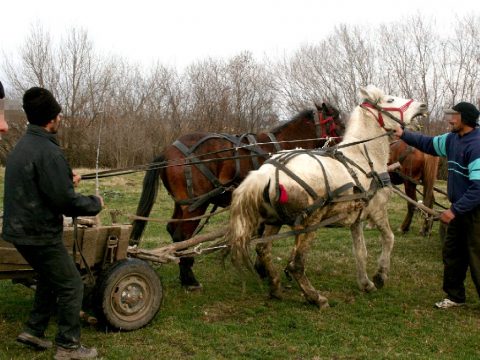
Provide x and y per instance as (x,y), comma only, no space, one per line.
(204,161)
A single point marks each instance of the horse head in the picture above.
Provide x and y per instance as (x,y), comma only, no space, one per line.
(390,111)
(330,121)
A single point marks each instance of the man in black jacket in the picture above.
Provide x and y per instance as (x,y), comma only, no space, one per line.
(39,190)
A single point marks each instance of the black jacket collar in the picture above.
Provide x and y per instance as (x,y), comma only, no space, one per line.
(41,131)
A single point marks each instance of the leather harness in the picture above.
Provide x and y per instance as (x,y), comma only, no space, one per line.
(219,188)
(238,141)
(360,193)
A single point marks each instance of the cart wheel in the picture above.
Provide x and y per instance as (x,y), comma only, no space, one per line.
(128,295)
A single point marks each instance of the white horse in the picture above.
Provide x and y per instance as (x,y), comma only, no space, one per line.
(302,188)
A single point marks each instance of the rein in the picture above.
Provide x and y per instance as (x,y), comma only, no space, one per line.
(166,164)
(162,164)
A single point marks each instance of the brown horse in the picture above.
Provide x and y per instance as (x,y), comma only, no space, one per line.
(204,169)
(416,168)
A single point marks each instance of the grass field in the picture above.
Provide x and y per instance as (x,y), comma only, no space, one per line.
(224,322)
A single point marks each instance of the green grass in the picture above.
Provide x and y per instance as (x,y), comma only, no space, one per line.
(222,322)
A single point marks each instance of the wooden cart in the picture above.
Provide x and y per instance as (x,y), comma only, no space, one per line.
(124,292)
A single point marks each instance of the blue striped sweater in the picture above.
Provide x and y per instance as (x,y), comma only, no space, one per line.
(463,155)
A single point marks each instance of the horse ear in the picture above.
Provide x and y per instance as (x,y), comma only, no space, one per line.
(318,107)
(363,93)
(372,93)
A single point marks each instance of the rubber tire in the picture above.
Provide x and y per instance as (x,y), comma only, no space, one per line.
(127,279)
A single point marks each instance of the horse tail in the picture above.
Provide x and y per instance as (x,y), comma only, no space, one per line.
(247,201)
(147,199)
(430,171)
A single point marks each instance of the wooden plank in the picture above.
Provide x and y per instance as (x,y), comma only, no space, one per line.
(9,255)
(68,233)
(122,233)
(124,238)
(89,246)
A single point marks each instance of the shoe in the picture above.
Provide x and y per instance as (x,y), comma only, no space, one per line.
(447,304)
(39,343)
(81,352)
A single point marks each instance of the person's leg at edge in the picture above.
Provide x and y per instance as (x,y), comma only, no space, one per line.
(473,242)
(455,260)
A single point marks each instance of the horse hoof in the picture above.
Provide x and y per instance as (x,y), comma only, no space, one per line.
(320,301)
(188,280)
(378,281)
(193,288)
(369,287)
(276,294)
(323,304)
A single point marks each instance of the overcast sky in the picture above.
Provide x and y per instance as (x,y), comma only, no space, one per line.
(179,32)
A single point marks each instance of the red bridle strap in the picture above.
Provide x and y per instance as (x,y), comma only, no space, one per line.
(401,109)
(323,127)
(367,105)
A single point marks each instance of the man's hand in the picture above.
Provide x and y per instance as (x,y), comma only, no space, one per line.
(76,179)
(447,216)
(398,132)
(101,200)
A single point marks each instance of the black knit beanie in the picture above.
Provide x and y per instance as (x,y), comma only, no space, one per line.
(40,106)
(468,112)
(2,92)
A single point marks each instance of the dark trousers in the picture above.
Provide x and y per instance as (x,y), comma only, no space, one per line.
(59,288)
(461,250)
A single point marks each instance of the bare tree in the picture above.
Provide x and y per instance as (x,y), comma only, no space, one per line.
(135,111)
(460,61)
(36,66)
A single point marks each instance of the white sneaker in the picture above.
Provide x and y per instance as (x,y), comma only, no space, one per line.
(447,304)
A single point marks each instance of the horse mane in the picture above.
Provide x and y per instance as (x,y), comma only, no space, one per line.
(303,114)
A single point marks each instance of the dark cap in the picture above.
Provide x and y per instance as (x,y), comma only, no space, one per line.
(2,92)
(468,112)
(40,106)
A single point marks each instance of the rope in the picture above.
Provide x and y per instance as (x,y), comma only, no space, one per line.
(182,162)
(136,217)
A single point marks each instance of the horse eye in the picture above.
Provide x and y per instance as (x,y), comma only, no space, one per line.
(390,100)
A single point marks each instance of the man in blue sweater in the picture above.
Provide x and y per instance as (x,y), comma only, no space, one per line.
(461,147)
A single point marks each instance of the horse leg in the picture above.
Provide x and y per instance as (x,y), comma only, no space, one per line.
(430,171)
(296,267)
(360,253)
(264,265)
(410,190)
(180,231)
(387,237)
(428,201)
